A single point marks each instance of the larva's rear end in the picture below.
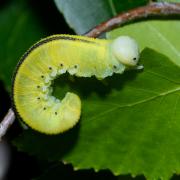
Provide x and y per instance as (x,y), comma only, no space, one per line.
(32,94)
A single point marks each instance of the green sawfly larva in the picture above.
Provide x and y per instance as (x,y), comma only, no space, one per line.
(55,55)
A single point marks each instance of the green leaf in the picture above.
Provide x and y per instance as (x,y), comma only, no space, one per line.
(161,36)
(130,124)
(19,29)
(83,15)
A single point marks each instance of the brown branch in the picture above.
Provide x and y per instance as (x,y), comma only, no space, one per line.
(152,9)
(6,122)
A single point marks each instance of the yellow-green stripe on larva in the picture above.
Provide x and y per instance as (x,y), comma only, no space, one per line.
(56,55)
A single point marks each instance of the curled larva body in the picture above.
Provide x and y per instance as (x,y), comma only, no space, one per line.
(56,55)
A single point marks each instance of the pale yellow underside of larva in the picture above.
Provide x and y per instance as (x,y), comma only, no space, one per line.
(90,58)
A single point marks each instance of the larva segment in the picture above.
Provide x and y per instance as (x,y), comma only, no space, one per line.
(51,57)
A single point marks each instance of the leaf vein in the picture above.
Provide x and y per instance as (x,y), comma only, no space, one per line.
(172,47)
(158,75)
(136,103)
(112,6)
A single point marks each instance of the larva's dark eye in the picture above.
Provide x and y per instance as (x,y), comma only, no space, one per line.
(50,68)
(134,58)
(38,98)
(38,87)
(42,76)
(55,113)
(75,66)
(61,65)
(44,108)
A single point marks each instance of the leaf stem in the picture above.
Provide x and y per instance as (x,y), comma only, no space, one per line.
(150,10)
(6,122)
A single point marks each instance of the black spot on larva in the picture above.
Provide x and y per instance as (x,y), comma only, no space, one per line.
(55,113)
(42,76)
(134,58)
(50,68)
(38,87)
(115,67)
(75,66)
(44,108)
(38,98)
(61,65)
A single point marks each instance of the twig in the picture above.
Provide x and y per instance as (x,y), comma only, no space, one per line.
(6,122)
(152,9)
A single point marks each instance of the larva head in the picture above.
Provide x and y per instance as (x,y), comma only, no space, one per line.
(126,50)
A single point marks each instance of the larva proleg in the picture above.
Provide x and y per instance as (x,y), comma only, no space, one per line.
(53,56)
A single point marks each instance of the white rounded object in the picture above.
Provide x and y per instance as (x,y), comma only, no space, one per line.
(126,50)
